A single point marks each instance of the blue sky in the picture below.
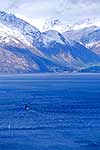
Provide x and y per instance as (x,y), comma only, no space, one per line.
(67,11)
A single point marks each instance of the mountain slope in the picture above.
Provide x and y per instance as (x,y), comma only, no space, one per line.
(89,37)
(92,40)
(15,43)
(39,52)
(11,63)
(31,33)
(69,53)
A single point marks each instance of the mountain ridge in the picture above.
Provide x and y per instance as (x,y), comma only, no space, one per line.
(49,51)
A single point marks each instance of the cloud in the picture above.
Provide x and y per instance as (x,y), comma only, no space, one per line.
(82,1)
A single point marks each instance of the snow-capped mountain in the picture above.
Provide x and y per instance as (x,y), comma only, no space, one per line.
(14,38)
(89,37)
(94,46)
(92,41)
(78,34)
(70,53)
(13,50)
(15,44)
(23,48)
(31,33)
(55,23)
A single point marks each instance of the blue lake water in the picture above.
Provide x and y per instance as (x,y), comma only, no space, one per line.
(63,112)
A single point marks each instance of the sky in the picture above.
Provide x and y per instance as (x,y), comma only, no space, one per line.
(45,13)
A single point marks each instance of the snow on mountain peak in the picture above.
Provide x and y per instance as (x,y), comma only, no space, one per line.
(7,35)
(14,21)
(12,37)
(56,24)
(51,36)
(18,24)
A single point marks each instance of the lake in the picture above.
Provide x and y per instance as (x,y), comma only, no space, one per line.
(50,112)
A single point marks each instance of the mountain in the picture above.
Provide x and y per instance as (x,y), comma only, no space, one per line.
(92,41)
(15,43)
(10,63)
(56,23)
(78,34)
(93,69)
(31,33)
(24,49)
(89,37)
(66,52)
